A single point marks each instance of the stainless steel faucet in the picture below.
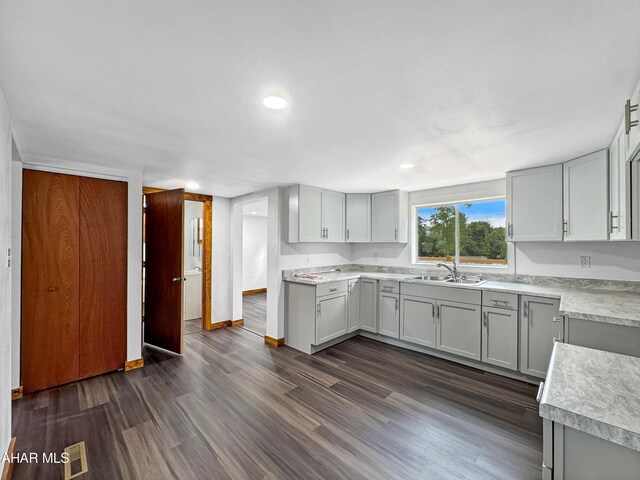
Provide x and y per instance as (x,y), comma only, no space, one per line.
(453,271)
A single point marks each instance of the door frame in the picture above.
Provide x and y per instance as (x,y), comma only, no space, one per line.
(207,246)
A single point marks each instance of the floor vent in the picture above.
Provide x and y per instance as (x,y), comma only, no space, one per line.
(77,464)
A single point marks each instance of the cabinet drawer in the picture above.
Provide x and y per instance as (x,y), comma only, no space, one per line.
(452,294)
(389,286)
(500,300)
(323,289)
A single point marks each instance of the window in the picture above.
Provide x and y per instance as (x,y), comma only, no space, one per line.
(469,233)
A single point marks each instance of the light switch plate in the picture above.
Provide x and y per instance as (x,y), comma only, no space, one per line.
(585,262)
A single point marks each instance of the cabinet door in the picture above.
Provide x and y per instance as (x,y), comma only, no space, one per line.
(534,204)
(537,330)
(586,197)
(358,217)
(458,329)
(619,188)
(331,317)
(333,216)
(418,320)
(500,337)
(310,214)
(389,318)
(353,309)
(384,217)
(368,305)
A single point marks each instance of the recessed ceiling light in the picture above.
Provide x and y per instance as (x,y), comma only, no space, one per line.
(192,186)
(254,213)
(407,166)
(274,102)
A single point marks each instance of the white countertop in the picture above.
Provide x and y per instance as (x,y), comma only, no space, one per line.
(608,306)
(594,391)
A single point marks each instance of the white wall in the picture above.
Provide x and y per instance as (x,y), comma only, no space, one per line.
(134,246)
(254,252)
(5,276)
(221,261)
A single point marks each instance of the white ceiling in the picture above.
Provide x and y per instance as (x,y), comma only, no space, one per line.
(466,89)
(256,209)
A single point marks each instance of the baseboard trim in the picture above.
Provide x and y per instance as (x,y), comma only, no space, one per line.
(227,323)
(7,469)
(274,342)
(237,323)
(16,393)
(133,364)
(254,291)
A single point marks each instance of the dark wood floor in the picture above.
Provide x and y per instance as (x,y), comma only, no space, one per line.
(232,407)
(192,326)
(254,312)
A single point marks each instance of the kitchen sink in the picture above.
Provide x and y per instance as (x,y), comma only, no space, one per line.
(433,278)
(470,281)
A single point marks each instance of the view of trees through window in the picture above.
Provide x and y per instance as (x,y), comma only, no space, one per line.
(465,232)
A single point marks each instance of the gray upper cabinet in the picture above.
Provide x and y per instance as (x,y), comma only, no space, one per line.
(458,329)
(418,320)
(534,204)
(390,217)
(500,337)
(333,206)
(619,189)
(538,328)
(316,215)
(353,305)
(586,197)
(331,317)
(358,217)
(368,305)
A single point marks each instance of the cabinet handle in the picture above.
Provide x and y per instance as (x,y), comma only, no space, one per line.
(509,230)
(396,304)
(565,227)
(334,289)
(318,310)
(484,318)
(433,311)
(347,234)
(396,233)
(327,234)
(526,309)
(628,123)
(540,390)
(557,318)
(611,225)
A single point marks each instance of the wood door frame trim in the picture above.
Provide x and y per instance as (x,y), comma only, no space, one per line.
(254,291)
(207,247)
(7,470)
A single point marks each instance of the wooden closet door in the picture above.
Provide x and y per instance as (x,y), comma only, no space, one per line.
(103,276)
(50,288)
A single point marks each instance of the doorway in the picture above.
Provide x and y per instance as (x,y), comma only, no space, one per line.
(254,266)
(177,244)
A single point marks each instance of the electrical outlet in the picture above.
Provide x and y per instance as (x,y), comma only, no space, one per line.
(585,262)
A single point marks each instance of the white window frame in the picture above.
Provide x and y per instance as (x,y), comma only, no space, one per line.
(468,267)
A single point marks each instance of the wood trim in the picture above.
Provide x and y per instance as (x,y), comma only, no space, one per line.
(254,291)
(7,470)
(133,364)
(274,342)
(237,323)
(197,197)
(223,324)
(16,393)
(207,246)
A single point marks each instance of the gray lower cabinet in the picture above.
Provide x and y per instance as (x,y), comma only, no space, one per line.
(538,328)
(500,337)
(388,315)
(603,336)
(418,320)
(570,454)
(369,305)
(458,328)
(331,317)
(353,305)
